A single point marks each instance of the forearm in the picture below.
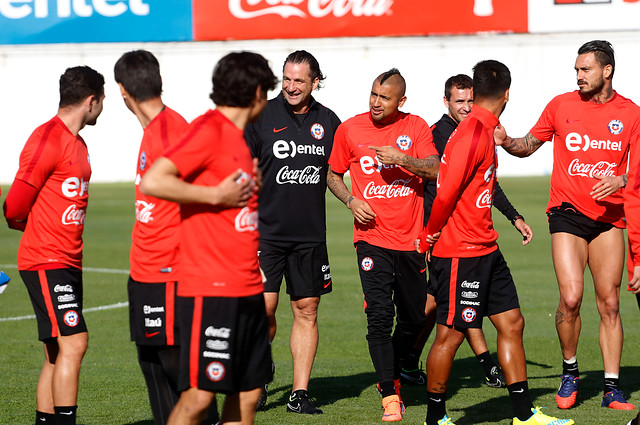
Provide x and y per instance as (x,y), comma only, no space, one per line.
(522,146)
(335,183)
(427,168)
(501,202)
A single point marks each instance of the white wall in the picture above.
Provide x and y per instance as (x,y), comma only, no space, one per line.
(541,67)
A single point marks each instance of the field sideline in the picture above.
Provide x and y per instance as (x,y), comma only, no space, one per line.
(112,389)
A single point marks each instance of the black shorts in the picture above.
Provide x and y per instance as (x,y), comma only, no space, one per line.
(304,265)
(152,313)
(567,219)
(467,289)
(224,344)
(56,296)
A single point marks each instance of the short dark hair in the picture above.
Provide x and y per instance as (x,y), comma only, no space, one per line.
(490,79)
(78,83)
(460,81)
(302,56)
(139,73)
(390,73)
(237,76)
(603,52)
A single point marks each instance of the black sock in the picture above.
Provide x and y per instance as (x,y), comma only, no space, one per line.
(65,415)
(570,368)
(611,384)
(520,400)
(412,360)
(45,418)
(436,407)
(387,388)
(486,361)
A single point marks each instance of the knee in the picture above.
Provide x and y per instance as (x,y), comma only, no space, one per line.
(73,346)
(306,309)
(610,309)
(570,305)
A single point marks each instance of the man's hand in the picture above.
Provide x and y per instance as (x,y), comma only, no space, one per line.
(634,282)
(500,135)
(607,186)
(234,191)
(361,210)
(388,155)
(257,172)
(525,230)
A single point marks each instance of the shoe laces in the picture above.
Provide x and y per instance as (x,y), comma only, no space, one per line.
(553,421)
(616,395)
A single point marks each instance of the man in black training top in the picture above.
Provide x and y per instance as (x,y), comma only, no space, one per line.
(293,140)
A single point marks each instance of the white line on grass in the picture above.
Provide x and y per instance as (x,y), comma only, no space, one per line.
(86,269)
(99,308)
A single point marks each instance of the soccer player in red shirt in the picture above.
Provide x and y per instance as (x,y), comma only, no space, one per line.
(154,249)
(224,333)
(469,275)
(48,202)
(387,206)
(592,129)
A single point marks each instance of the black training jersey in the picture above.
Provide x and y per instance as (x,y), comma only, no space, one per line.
(293,151)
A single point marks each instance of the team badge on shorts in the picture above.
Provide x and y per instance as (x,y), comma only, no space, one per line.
(317,131)
(215,371)
(143,160)
(403,142)
(615,126)
(469,315)
(367,264)
(71,318)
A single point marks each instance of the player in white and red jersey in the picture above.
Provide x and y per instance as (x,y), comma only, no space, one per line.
(155,238)
(387,204)
(223,325)
(592,129)
(469,275)
(48,202)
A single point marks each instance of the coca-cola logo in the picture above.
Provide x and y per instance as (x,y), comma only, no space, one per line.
(143,211)
(308,175)
(485,200)
(73,215)
(602,168)
(247,220)
(248,9)
(397,189)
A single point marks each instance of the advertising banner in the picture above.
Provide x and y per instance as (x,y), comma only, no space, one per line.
(84,21)
(583,15)
(260,19)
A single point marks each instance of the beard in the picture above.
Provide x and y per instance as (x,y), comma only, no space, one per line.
(591,91)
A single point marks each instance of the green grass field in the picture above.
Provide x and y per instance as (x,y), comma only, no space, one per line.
(112,390)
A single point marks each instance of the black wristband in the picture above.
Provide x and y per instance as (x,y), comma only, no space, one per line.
(516,218)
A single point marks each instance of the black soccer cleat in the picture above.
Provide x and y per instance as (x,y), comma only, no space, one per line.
(496,379)
(300,402)
(263,397)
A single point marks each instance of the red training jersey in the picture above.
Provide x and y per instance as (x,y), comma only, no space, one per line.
(218,245)
(394,194)
(155,237)
(590,139)
(56,163)
(466,181)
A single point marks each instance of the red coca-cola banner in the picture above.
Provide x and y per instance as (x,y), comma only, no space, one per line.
(263,19)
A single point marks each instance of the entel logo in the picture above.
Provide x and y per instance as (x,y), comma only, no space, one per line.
(574,140)
(370,165)
(315,8)
(283,150)
(71,185)
(82,8)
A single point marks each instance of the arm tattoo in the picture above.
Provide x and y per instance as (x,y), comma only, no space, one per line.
(335,183)
(624,179)
(522,146)
(427,168)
